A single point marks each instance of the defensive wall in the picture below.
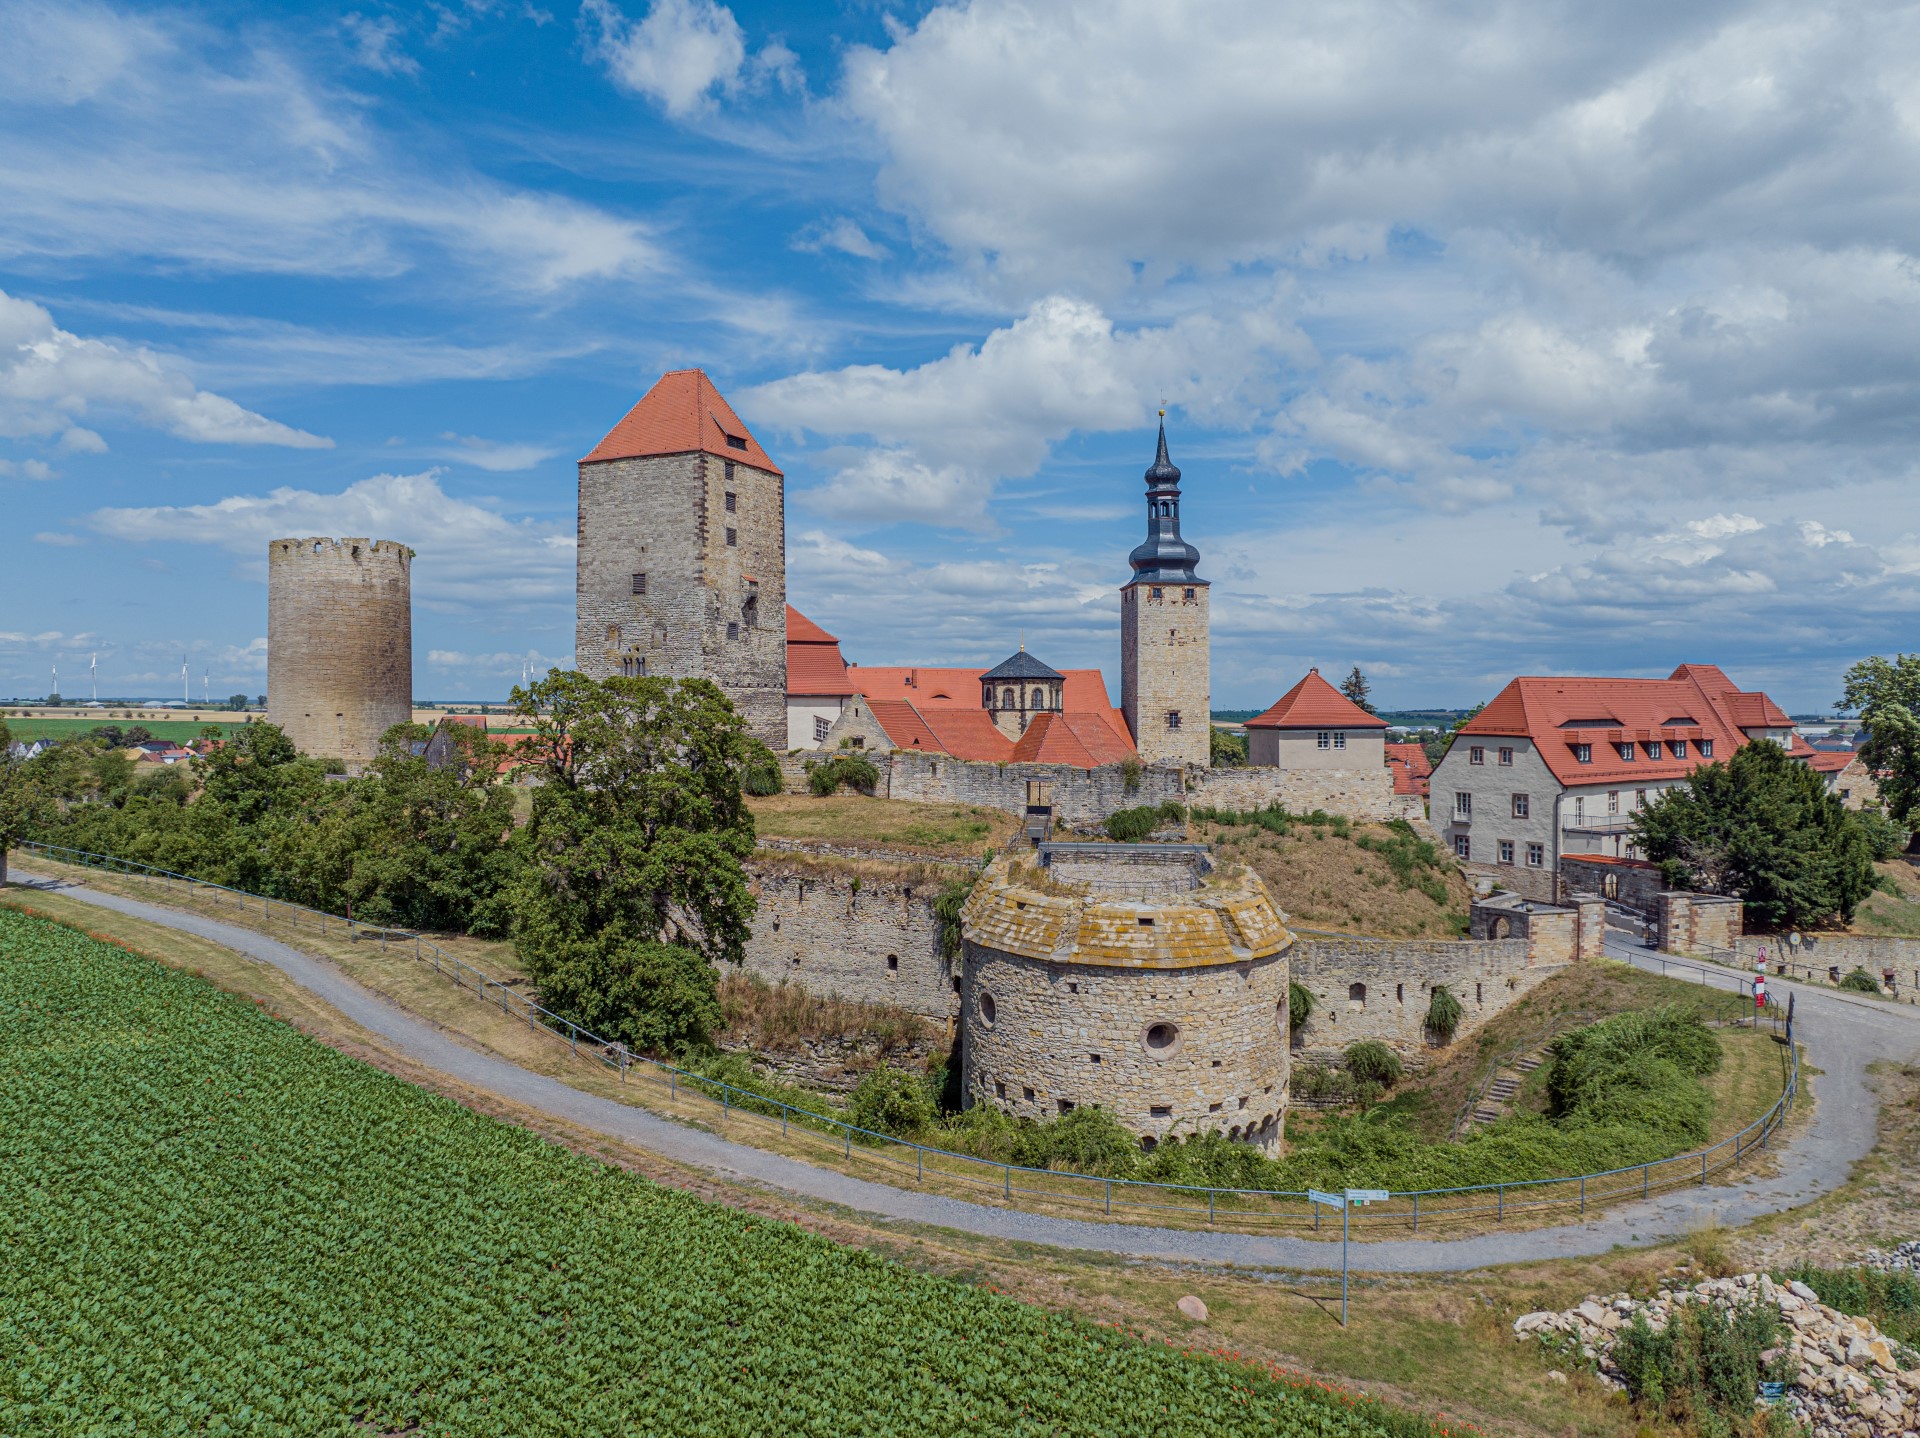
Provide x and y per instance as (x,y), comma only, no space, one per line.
(1878,954)
(1088,796)
(1636,883)
(339,643)
(876,939)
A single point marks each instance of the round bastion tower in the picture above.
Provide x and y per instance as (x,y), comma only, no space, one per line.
(1130,976)
(339,644)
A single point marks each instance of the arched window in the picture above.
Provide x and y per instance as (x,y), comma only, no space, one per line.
(1356,996)
(1039,699)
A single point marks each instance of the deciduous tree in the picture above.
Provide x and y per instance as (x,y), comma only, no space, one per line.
(1887,694)
(633,887)
(1761,826)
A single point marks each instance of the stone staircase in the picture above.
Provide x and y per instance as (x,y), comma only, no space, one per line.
(1498,1098)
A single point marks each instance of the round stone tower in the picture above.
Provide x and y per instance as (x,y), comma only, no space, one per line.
(1129,976)
(339,644)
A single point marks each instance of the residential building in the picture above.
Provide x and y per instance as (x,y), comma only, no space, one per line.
(1412,770)
(818,685)
(1558,766)
(1315,726)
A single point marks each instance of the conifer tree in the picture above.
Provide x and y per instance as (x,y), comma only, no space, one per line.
(1356,688)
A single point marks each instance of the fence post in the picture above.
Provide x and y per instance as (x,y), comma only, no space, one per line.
(673,1087)
(849,1153)
(1209,1208)
(783,1120)
(919,1164)
(1109,1198)
(1645,1180)
(1703,1168)
(1007,1169)
(1416,1213)
(1501,1211)
(1583,1193)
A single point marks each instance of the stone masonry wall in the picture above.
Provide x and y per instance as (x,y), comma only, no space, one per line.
(1165,670)
(1079,795)
(1364,794)
(1686,923)
(1065,1034)
(339,643)
(877,944)
(1633,882)
(666,517)
(1395,979)
(1876,953)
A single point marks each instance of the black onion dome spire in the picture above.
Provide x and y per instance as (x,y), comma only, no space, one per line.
(1165,558)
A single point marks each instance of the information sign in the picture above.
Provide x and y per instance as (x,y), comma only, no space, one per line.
(1333,1200)
(1367,1195)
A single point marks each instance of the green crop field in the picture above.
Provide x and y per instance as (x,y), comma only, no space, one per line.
(178,730)
(213,1224)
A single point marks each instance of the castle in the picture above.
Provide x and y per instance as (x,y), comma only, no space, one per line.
(682,571)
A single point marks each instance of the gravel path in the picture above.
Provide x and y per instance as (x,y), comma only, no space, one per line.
(1844,1034)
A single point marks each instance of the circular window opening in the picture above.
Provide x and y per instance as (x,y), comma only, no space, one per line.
(986,1008)
(1162,1039)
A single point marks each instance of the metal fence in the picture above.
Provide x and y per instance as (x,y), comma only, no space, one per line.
(894,1159)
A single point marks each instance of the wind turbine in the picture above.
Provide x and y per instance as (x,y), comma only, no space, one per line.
(56,682)
(206,696)
(93,685)
(186,683)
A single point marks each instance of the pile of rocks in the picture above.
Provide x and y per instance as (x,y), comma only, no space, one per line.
(1903,1259)
(1853,1380)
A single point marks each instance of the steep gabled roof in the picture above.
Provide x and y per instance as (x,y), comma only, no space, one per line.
(682,414)
(1315,704)
(1021,665)
(814,663)
(1084,693)
(1050,740)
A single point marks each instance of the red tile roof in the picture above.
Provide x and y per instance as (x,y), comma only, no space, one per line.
(1315,704)
(1826,761)
(1696,702)
(1050,740)
(1410,768)
(904,725)
(967,733)
(1095,722)
(682,414)
(814,665)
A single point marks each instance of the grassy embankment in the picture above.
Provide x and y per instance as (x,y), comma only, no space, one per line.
(341,1252)
(1894,906)
(177,730)
(1375,879)
(943,830)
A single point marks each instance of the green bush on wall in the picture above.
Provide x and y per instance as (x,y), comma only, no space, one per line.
(1371,1061)
(1443,1014)
(1860,982)
(843,770)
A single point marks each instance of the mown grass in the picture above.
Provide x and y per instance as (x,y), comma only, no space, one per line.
(177,730)
(958,830)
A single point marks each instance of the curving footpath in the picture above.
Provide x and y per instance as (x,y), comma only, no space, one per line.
(1847,1034)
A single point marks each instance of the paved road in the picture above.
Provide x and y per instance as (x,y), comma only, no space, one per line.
(1843,1034)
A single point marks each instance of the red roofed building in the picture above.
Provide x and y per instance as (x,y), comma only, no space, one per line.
(1411,768)
(1315,726)
(1559,765)
(818,685)
(681,566)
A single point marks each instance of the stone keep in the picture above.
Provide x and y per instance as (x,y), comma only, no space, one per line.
(1160,996)
(681,567)
(339,644)
(1165,644)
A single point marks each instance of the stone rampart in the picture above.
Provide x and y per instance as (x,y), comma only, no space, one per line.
(1687,923)
(869,940)
(1823,953)
(1367,988)
(1634,883)
(1362,794)
(1079,795)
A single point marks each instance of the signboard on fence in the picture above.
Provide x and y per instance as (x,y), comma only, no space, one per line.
(1774,1392)
(1332,1200)
(1364,1196)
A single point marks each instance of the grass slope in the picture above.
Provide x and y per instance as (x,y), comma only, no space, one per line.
(1892,913)
(958,830)
(1322,875)
(212,1223)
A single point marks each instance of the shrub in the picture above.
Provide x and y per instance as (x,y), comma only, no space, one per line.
(761,774)
(1129,826)
(1635,1070)
(893,1101)
(830,775)
(1706,1365)
(946,908)
(1371,1061)
(1861,982)
(1885,838)
(1130,771)
(1891,1300)
(1443,1014)
(1299,1004)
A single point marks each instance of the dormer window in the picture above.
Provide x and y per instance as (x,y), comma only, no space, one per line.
(1653,748)
(735,441)
(1679,748)
(1626,751)
(1583,753)
(1706,748)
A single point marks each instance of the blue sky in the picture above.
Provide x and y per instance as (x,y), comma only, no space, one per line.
(1496,338)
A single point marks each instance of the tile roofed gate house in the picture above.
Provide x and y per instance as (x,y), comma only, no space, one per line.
(681,566)
(1315,726)
(1557,766)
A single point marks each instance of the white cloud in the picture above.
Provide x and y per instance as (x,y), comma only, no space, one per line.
(946,430)
(375,44)
(63,541)
(842,235)
(466,554)
(502,662)
(677,55)
(167,139)
(26,469)
(49,378)
(496,456)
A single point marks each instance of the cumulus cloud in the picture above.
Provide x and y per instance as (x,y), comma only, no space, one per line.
(945,431)
(495,456)
(676,55)
(842,235)
(466,554)
(49,378)
(154,136)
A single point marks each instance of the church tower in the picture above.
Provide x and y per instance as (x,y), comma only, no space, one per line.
(682,562)
(1165,650)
